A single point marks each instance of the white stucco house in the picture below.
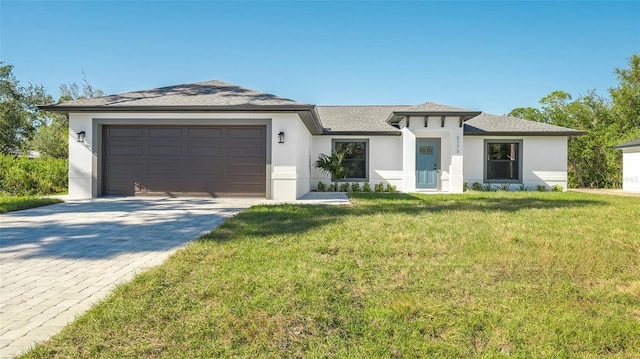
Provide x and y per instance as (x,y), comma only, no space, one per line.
(630,165)
(218,139)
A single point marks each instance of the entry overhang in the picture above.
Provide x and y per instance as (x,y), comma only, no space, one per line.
(397,116)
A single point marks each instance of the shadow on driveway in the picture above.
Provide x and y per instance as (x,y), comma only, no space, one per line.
(104,228)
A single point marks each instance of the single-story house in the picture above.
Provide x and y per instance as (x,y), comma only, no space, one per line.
(218,139)
(630,165)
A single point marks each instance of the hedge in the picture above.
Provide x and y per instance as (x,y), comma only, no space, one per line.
(21,176)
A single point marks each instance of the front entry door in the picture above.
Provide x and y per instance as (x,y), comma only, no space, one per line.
(427,155)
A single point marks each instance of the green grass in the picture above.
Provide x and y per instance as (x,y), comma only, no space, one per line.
(16,203)
(527,275)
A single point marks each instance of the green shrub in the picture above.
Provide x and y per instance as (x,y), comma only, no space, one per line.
(465,187)
(21,176)
(504,187)
(523,188)
(391,188)
(355,187)
(366,187)
(332,188)
(556,188)
(489,188)
(476,186)
(344,187)
(322,187)
(379,187)
(541,188)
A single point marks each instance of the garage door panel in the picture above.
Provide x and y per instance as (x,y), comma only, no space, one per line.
(127,187)
(126,168)
(167,169)
(165,132)
(246,169)
(125,132)
(246,133)
(165,150)
(209,169)
(186,160)
(203,186)
(204,133)
(126,150)
(245,152)
(205,151)
(164,184)
(245,180)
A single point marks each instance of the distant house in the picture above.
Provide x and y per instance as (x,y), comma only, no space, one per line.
(630,165)
(30,154)
(218,139)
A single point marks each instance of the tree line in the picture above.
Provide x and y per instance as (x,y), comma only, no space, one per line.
(23,127)
(607,121)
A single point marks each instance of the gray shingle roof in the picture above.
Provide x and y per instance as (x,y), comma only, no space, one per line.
(632,143)
(357,119)
(206,94)
(221,96)
(487,124)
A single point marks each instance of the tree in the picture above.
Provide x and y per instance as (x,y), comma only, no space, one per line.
(23,126)
(626,96)
(332,165)
(52,135)
(71,91)
(19,115)
(592,160)
(52,138)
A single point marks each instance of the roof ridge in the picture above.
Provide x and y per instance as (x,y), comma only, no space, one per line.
(165,87)
(430,106)
(202,93)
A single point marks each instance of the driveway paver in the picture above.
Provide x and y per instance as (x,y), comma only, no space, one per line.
(59,260)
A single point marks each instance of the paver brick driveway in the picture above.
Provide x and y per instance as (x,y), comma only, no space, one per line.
(57,261)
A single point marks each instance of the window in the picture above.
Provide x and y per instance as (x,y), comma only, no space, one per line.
(426,150)
(503,161)
(355,159)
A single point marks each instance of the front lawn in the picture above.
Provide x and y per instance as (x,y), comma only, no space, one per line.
(476,275)
(17,203)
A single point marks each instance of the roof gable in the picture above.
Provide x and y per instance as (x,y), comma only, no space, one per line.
(431,109)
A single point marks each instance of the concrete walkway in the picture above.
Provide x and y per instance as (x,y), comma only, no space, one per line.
(59,260)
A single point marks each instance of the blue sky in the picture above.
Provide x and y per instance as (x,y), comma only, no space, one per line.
(488,56)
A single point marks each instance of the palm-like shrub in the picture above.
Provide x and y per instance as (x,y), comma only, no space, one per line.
(332,166)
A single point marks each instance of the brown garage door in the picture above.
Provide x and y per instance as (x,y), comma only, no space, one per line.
(184,160)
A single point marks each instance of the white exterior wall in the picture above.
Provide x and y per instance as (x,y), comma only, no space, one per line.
(81,158)
(451,150)
(384,159)
(291,158)
(544,160)
(287,163)
(631,169)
